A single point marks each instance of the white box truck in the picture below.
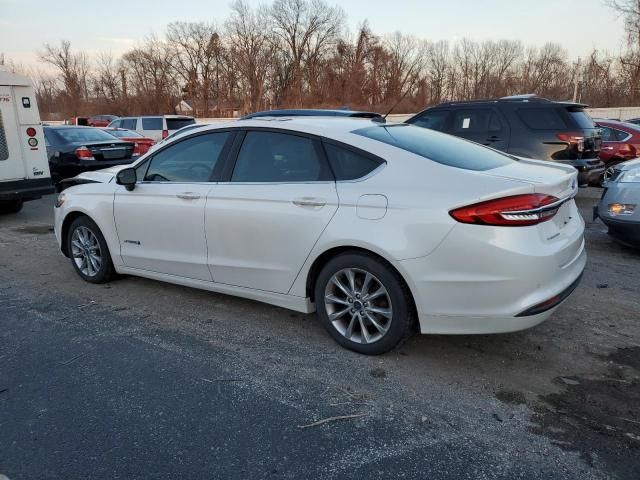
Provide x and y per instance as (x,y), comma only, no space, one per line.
(24,167)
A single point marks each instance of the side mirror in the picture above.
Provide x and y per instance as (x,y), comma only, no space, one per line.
(127,178)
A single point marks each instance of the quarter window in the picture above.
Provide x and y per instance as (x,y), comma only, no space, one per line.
(349,165)
(613,135)
(190,160)
(278,157)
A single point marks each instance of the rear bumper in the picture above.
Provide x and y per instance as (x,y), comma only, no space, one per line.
(28,189)
(481,281)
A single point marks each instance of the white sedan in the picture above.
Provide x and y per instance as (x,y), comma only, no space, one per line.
(381,228)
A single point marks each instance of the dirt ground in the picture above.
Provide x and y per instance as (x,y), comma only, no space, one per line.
(560,400)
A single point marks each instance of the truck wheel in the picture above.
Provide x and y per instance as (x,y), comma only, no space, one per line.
(11,206)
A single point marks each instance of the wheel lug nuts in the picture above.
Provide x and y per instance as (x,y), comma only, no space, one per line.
(350,300)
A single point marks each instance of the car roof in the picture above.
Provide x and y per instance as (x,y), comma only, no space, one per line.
(320,125)
(309,112)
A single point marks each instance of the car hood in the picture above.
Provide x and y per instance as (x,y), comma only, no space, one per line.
(100,176)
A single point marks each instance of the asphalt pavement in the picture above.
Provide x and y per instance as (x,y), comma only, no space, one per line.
(139,379)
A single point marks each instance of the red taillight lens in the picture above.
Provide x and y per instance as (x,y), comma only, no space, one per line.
(136,149)
(84,153)
(576,139)
(31,132)
(165,133)
(513,211)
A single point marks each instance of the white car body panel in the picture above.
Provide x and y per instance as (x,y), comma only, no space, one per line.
(259,244)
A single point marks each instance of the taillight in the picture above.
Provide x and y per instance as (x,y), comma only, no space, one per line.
(576,139)
(165,133)
(136,149)
(84,153)
(513,211)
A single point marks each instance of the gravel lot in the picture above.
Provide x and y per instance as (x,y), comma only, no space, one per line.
(139,379)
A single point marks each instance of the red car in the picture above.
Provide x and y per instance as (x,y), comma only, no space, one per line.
(100,120)
(620,142)
(141,143)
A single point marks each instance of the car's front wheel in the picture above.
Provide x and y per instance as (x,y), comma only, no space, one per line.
(89,252)
(363,303)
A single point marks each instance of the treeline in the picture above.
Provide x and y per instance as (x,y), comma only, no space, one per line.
(298,53)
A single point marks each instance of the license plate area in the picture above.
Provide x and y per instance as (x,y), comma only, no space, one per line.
(113,153)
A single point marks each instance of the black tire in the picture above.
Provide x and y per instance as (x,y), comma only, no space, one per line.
(105,272)
(11,206)
(402,322)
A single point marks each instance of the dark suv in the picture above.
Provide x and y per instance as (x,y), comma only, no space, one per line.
(524,126)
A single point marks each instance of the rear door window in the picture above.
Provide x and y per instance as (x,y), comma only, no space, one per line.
(479,120)
(129,123)
(177,123)
(433,119)
(348,164)
(613,135)
(279,157)
(542,118)
(151,123)
(436,146)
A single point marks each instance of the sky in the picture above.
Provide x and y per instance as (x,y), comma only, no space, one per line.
(116,25)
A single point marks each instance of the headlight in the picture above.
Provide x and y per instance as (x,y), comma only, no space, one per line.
(630,176)
(616,209)
(60,200)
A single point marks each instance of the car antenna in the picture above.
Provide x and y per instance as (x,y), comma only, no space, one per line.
(384,117)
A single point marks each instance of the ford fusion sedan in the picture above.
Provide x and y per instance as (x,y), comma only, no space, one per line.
(619,207)
(383,229)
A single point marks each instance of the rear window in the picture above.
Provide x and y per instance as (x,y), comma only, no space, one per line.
(82,135)
(581,118)
(154,123)
(177,123)
(441,148)
(542,118)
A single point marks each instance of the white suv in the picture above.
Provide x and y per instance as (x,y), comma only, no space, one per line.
(155,127)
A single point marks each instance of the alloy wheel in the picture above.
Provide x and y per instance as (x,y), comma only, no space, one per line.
(358,305)
(86,252)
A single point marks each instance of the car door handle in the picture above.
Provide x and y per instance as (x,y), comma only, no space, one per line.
(309,202)
(493,138)
(188,195)
(606,148)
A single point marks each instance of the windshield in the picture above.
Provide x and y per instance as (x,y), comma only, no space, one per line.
(437,146)
(82,135)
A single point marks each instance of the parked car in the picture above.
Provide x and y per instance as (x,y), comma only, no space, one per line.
(101,120)
(619,207)
(154,127)
(72,150)
(78,121)
(141,144)
(318,112)
(620,142)
(635,121)
(24,172)
(381,228)
(524,126)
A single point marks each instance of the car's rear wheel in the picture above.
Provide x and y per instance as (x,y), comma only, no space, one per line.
(88,251)
(11,206)
(363,303)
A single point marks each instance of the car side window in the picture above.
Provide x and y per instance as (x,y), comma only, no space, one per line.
(190,160)
(607,134)
(278,157)
(349,165)
(152,123)
(434,119)
(129,123)
(619,135)
(481,120)
(115,124)
(141,170)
